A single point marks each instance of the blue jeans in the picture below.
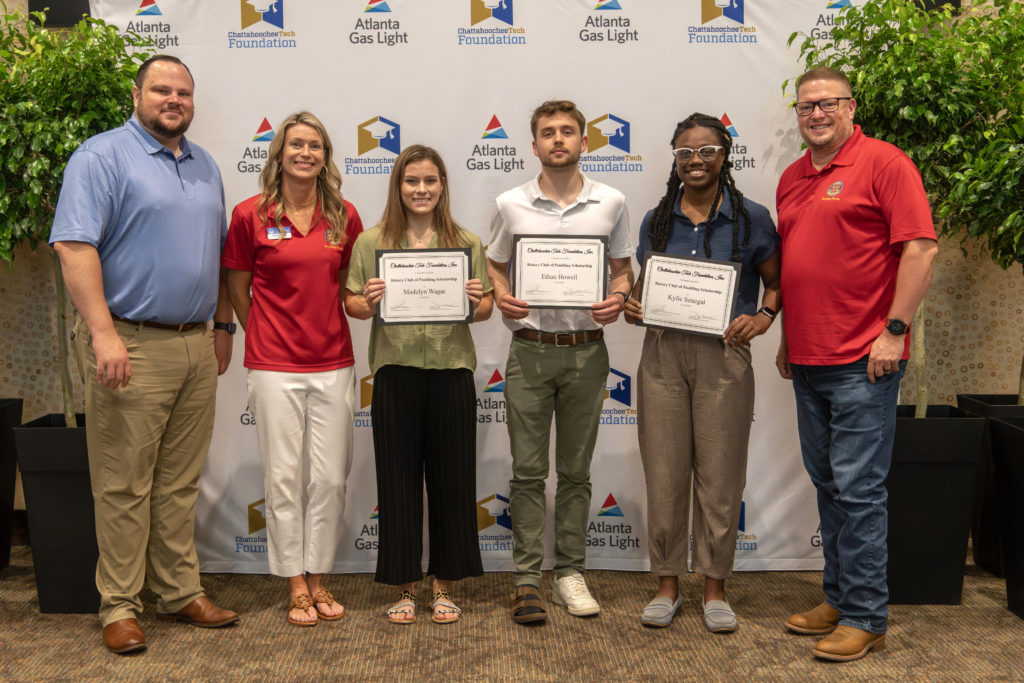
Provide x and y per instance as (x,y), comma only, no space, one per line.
(846,429)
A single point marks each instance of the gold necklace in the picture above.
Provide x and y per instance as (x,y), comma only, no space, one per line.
(297,205)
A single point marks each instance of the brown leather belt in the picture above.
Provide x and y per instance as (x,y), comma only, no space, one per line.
(183,327)
(559,338)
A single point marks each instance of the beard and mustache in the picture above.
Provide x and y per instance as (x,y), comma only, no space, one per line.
(155,124)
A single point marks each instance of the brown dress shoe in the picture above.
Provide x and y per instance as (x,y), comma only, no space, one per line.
(819,621)
(124,637)
(848,643)
(202,612)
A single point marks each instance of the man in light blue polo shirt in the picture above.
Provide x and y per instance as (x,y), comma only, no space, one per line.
(139,228)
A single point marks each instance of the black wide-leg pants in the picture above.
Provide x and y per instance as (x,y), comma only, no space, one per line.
(424,427)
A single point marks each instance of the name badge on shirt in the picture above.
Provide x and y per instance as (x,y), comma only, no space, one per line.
(274,232)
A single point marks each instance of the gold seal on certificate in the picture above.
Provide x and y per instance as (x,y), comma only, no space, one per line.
(554,271)
(424,286)
(693,295)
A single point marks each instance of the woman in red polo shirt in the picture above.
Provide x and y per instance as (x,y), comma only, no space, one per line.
(287,250)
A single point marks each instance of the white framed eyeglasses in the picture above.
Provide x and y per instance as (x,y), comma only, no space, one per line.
(707,152)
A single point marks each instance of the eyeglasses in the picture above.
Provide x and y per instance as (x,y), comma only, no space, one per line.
(827,105)
(707,152)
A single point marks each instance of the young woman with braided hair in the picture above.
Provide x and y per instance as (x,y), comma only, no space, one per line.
(696,392)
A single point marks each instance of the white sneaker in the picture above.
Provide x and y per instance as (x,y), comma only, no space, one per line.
(572,592)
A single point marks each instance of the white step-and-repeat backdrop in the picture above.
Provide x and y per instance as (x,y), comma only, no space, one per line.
(464,76)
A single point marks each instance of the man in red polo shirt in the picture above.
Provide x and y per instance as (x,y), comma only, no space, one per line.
(857,250)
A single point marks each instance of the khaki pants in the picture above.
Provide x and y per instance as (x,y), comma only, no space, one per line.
(147,443)
(568,383)
(696,402)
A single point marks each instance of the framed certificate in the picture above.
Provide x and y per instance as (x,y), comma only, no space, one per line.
(424,286)
(693,295)
(555,271)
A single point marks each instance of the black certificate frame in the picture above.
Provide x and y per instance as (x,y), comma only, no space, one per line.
(436,252)
(736,267)
(600,239)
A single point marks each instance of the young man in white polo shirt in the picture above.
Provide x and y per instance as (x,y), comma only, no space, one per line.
(557,362)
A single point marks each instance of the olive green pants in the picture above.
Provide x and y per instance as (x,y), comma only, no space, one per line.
(568,383)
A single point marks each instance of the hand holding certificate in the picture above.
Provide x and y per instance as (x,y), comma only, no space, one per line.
(560,272)
(424,286)
(693,295)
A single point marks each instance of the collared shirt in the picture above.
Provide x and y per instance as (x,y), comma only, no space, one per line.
(297,321)
(157,222)
(430,347)
(842,231)
(597,210)
(687,239)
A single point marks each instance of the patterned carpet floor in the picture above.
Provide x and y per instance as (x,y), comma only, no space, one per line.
(978,640)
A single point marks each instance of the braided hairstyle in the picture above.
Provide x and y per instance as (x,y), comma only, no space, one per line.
(660,227)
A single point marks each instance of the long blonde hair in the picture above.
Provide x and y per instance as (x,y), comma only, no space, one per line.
(328,183)
(394,220)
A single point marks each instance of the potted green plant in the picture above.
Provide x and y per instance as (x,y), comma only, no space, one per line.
(57,89)
(941,87)
(994,181)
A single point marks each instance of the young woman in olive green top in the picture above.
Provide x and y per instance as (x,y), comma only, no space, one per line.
(424,400)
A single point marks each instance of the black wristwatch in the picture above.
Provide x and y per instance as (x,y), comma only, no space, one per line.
(230,328)
(897,327)
(770,312)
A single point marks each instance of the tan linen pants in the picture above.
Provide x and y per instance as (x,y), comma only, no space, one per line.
(147,444)
(696,402)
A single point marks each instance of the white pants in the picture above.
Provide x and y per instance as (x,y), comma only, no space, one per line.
(304,429)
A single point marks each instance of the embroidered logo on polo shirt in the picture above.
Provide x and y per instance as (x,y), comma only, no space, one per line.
(834,189)
(333,240)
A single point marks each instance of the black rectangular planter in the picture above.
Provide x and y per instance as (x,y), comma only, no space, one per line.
(1008,452)
(931,488)
(986,520)
(10,417)
(54,464)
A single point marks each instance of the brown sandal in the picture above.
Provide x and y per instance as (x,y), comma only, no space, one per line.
(527,606)
(404,604)
(442,605)
(324,597)
(303,602)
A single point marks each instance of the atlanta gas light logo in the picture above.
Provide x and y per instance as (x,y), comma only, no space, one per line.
(722,21)
(490,408)
(608,24)
(255,155)
(610,133)
(147,25)
(378,28)
(610,528)
(262,26)
(497,17)
(378,141)
(367,539)
(828,19)
(738,155)
(490,156)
